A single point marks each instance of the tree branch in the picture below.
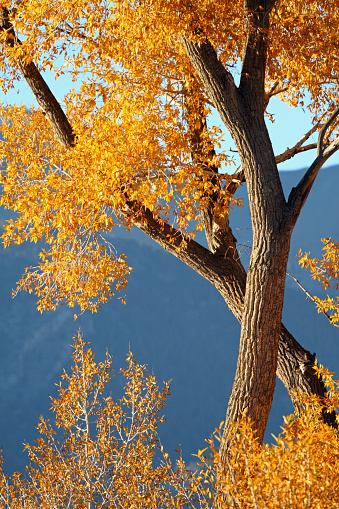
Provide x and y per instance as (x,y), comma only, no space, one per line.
(252,79)
(274,90)
(216,226)
(290,152)
(309,296)
(42,93)
(238,178)
(330,121)
(299,194)
(218,82)
(226,273)
(49,105)
(296,371)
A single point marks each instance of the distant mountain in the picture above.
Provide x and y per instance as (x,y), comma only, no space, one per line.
(174,321)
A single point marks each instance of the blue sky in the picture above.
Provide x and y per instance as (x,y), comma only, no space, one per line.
(289,126)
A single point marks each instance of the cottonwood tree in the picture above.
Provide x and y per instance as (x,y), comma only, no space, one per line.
(132,145)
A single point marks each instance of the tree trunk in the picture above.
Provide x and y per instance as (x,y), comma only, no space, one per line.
(242,111)
(254,383)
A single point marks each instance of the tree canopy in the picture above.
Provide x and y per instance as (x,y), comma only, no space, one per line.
(133,144)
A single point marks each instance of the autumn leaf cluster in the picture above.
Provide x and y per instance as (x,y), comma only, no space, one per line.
(325,270)
(101,452)
(300,469)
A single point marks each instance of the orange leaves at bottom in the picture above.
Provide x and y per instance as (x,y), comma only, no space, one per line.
(108,454)
(101,452)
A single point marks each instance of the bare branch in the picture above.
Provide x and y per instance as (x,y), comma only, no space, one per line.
(172,100)
(299,194)
(309,296)
(274,90)
(323,130)
(279,91)
(239,176)
(291,152)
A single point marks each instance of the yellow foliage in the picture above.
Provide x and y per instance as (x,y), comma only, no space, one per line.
(300,470)
(106,453)
(101,452)
(326,271)
(132,80)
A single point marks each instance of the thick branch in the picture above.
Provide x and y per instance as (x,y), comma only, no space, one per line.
(296,371)
(225,273)
(218,82)
(252,79)
(216,226)
(42,93)
(238,109)
(47,102)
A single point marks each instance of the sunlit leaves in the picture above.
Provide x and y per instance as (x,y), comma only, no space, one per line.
(132,112)
(326,271)
(300,55)
(101,452)
(104,451)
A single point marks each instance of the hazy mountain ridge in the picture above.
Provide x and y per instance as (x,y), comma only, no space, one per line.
(175,321)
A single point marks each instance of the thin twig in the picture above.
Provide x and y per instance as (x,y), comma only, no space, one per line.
(290,152)
(311,298)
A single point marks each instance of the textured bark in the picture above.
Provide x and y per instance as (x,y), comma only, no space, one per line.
(296,371)
(219,236)
(241,110)
(226,274)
